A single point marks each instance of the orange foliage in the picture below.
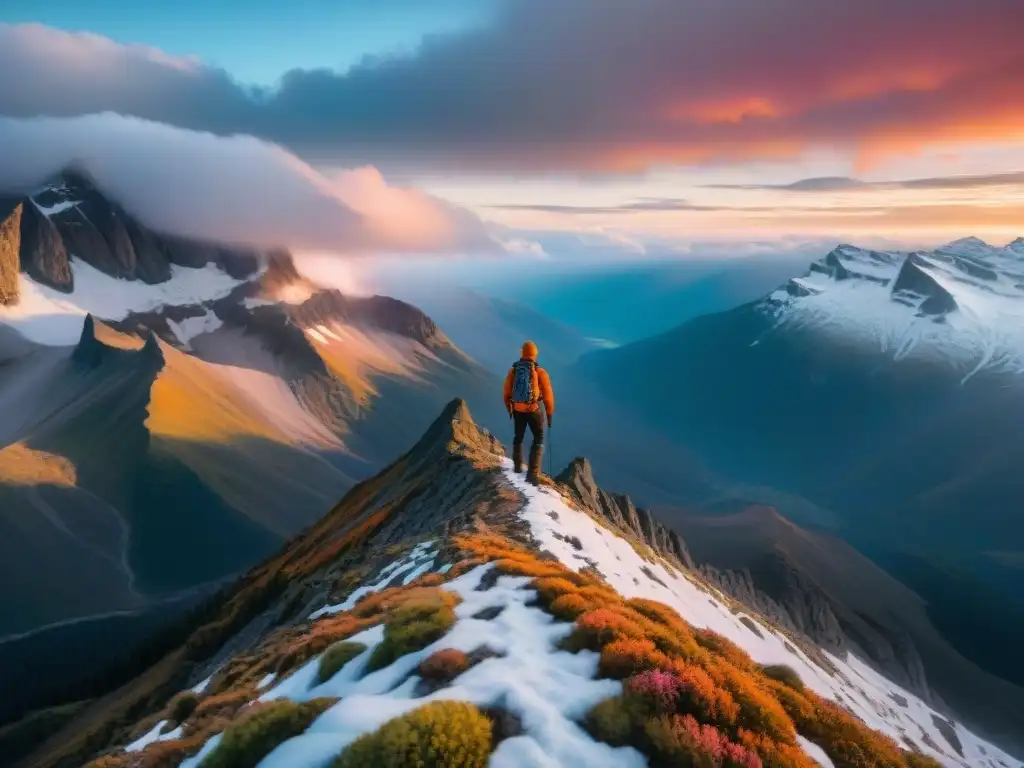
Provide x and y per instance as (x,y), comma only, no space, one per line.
(847,741)
(428,580)
(444,665)
(549,588)
(568,607)
(725,648)
(775,755)
(596,628)
(403,597)
(629,656)
(536,569)
(702,698)
(759,711)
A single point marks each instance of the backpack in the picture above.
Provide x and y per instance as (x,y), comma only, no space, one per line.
(525,386)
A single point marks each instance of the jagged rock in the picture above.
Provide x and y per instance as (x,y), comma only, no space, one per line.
(379,312)
(240,263)
(189,253)
(914,278)
(43,255)
(10,247)
(84,241)
(89,351)
(152,265)
(578,479)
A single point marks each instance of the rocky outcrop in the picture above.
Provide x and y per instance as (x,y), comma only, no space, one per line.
(379,312)
(578,479)
(914,281)
(83,241)
(152,265)
(43,255)
(71,218)
(10,246)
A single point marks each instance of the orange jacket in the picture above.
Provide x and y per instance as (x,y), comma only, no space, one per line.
(547,394)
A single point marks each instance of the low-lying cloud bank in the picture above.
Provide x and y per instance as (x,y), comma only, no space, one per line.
(235,189)
(586,84)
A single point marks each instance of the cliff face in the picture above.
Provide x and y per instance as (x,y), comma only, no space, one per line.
(72,217)
(10,244)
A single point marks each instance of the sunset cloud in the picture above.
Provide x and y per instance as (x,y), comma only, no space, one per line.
(588,85)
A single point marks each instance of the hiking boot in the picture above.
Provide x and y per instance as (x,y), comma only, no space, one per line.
(533,474)
(517,458)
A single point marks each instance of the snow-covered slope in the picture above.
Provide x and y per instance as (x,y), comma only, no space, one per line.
(963,302)
(54,318)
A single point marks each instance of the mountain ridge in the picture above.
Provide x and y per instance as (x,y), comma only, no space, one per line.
(453,483)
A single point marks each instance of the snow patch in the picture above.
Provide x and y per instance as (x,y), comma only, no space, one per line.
(196,760)
(154,735)
(816,753)
(418,557)
(50,210)
(266,680)
(190,327)
(548,689)
(49,317)
(201,685)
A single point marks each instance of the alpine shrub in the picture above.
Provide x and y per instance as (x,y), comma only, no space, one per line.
(658,688)
(681,740)
(783,674)
(626,657)
(775,755)
(568,607)
(410,629)
(444,666)
(701,697)
(183,705)
(336,657)
(725,648)
(549,588)
(442,734)
(596,628)
(758,710)
(614,721)
(253,737)
(847,741)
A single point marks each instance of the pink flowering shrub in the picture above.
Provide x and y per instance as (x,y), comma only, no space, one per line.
(660,688)
(677,740)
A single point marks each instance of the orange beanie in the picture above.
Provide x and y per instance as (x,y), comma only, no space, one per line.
(529,351)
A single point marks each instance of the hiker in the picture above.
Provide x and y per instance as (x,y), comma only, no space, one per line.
(526,385)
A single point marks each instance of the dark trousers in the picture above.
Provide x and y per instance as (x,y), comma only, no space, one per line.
(532,419)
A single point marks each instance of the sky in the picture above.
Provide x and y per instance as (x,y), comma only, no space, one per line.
(654,121)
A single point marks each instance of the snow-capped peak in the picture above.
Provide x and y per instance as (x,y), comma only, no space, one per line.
(962,302)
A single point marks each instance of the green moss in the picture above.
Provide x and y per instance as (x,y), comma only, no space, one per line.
(409,630)
(442,734)
(336,657)
(251,739)
(183,705)
(785,675)
(612,721)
